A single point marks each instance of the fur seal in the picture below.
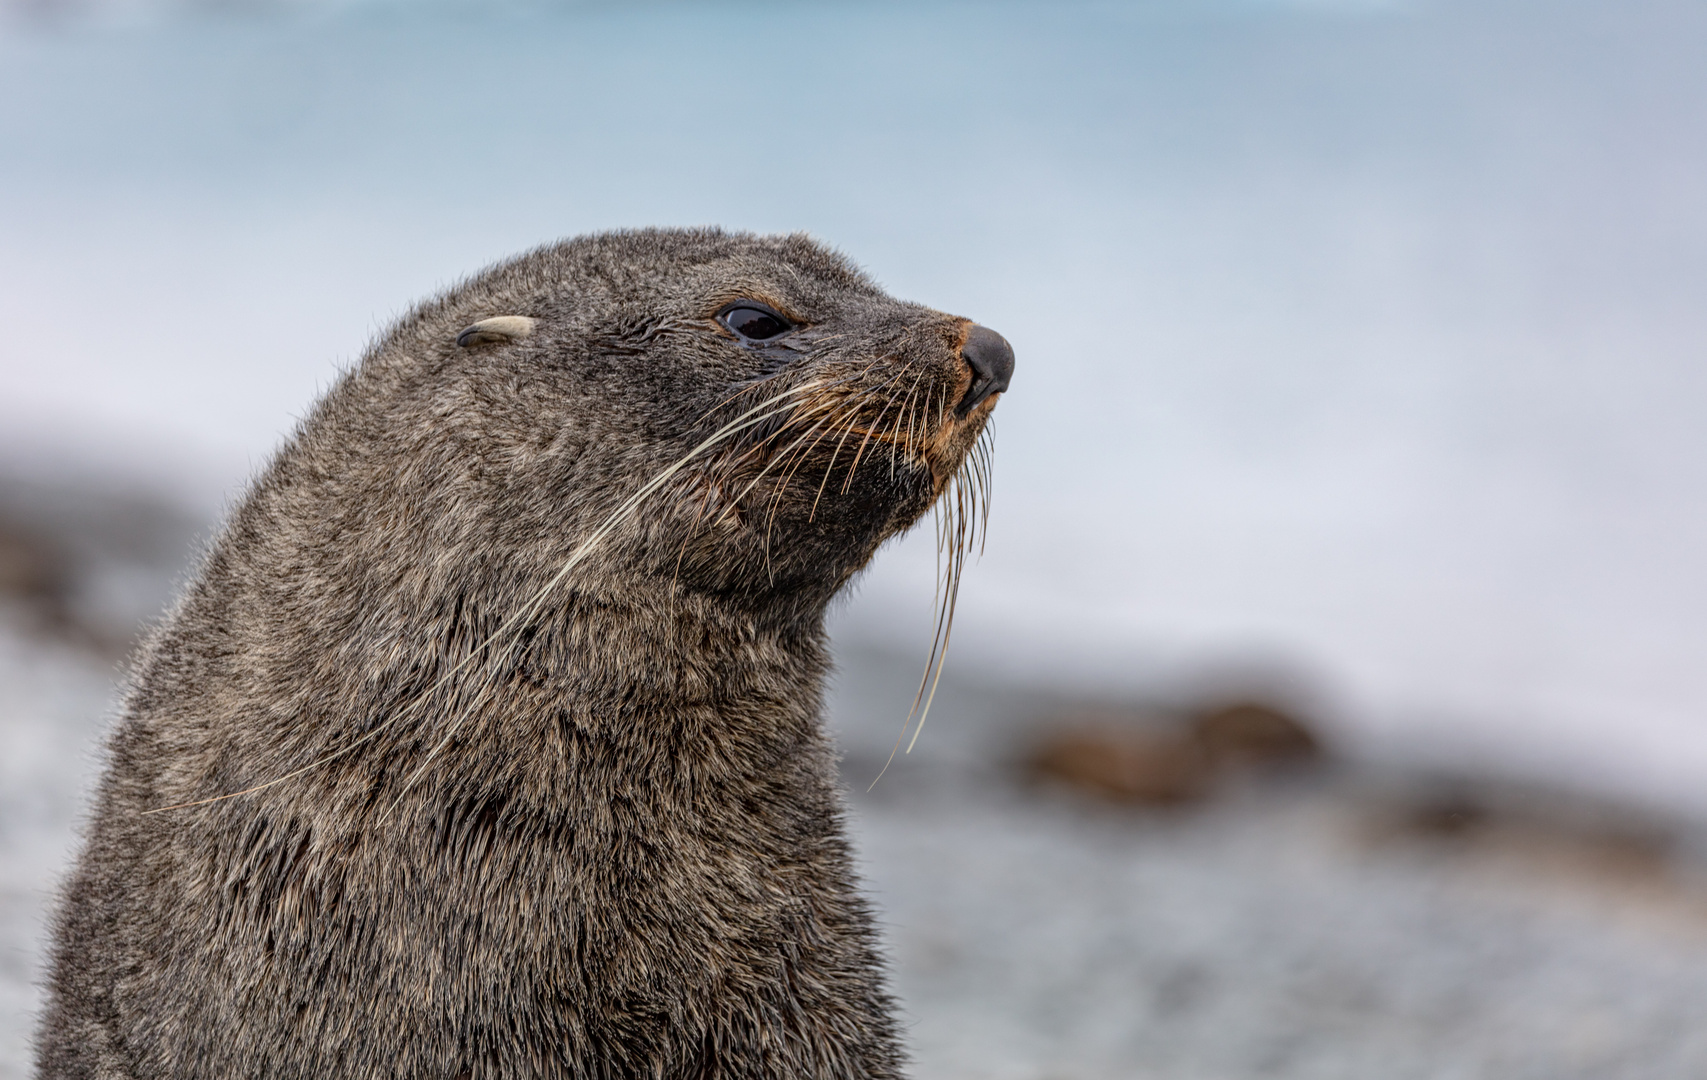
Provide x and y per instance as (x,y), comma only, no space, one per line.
(487,742)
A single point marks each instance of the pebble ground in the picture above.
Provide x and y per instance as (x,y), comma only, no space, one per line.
(1036,935)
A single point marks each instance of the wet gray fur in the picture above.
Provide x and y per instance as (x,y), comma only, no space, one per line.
(606,842)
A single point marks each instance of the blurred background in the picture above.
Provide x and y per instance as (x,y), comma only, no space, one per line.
(1330,699)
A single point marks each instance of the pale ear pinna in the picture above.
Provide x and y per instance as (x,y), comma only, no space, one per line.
(498,328)
(490,729)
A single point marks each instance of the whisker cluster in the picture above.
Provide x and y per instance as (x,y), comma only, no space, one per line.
(962,518)
(899,413)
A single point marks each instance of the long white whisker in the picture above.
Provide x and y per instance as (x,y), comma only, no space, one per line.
(586,547)
(746,420)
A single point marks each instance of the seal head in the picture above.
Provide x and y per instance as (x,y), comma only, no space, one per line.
(488,741)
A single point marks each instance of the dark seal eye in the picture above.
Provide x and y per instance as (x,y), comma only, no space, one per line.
(754,322)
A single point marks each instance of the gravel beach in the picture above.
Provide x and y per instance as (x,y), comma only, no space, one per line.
(1274,929)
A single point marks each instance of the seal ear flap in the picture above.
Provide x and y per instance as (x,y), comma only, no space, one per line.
(496,330)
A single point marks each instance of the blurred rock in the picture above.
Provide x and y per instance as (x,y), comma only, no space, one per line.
(87,562)
(1124,762)
(1133,756)
(1571,839)
(1251,732)
(34,575)
(1445,817)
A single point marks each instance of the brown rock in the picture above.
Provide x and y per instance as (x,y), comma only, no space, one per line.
(33,573)
(1250,732)
(1124,763)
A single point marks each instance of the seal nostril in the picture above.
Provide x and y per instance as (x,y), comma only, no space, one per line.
(991,359)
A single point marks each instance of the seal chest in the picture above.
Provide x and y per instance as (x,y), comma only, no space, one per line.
(488,740)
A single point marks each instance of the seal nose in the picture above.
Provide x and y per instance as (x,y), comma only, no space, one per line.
(991,359)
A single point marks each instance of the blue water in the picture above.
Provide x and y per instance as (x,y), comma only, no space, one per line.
(1361,345)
